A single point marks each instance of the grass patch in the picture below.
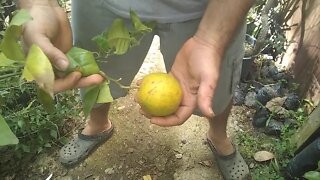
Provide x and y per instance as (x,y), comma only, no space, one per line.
(253,141)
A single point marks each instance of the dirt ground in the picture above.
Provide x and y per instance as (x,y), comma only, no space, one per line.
(139,148)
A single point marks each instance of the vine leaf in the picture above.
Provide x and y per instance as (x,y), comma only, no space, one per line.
(137,24)
(20,18)
(38,68)
(102,42)
(5,62)
(83,61)
(10,44)
(46,100)
(312,175)
(104,93)
(96,94)
(90,98)
(6,135)
(118,37)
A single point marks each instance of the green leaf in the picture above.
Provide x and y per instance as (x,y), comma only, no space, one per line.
(10,44)
(119,37)
(312,175)
(46,100)
(6,62)
(73,64)
(137,24)
(20,18)
(83,61)
(6,135)
(102,42)
(21,123)
(104,93)
(90,98)
(96,94)
(39,68)
(53,133)
(48,145)
(63,140)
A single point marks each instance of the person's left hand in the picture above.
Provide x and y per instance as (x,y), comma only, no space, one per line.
(197,68)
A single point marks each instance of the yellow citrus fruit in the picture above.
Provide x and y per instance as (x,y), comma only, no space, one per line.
(159,94)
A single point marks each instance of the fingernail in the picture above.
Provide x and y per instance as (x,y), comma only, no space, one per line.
(62,64)
(211,113)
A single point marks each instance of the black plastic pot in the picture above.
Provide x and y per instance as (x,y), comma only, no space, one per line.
(304,161)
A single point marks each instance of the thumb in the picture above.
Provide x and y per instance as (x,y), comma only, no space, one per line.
(58,59)
(205,95)
(67,82)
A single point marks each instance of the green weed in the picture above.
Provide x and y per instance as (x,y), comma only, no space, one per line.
(281,147)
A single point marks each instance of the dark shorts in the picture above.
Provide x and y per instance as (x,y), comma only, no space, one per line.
(90,19)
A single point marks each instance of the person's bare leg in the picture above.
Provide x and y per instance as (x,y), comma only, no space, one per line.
(98,121)
(217,132)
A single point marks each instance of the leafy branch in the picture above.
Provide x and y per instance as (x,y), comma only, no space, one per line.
(37,67)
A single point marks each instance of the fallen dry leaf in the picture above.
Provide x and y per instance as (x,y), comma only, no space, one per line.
(261,156)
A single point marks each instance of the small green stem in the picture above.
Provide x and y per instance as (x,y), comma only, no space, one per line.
(117,81)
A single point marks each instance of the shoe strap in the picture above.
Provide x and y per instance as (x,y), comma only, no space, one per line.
(98,136)
(217,154)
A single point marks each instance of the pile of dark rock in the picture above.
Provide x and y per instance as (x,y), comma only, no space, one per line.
(270,93)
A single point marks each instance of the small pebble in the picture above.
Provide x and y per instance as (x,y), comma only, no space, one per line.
(121,108)
(184,141)
(251,165)
(130,150)
(178,156)
(109,171)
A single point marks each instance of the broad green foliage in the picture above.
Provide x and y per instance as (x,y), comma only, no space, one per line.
(104,93)
(45,99)
(96,94)
(119,38)
(28,121)
(138,25)
(90,98)
(10,44)
(83,61)
(7,137)
(12,53)
(38,68)
(6,62)
(313,175)
(20,18)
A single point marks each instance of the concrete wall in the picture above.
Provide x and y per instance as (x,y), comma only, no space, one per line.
(303,54)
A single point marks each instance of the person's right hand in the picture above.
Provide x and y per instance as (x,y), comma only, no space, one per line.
(50,30)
